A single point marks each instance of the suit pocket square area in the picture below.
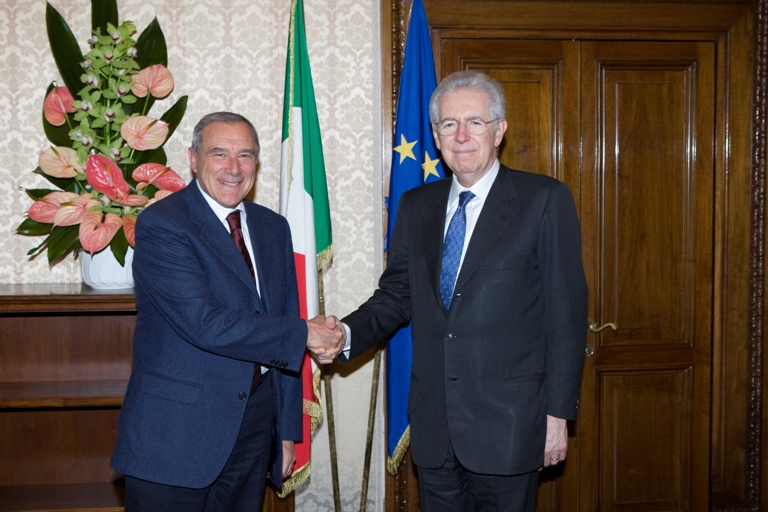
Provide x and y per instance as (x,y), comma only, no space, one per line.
(171,389)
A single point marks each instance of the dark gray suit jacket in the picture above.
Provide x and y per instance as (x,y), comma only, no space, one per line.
(201,327)
(510,349)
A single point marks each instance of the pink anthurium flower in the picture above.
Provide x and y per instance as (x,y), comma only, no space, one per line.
(129,228)
(142,132)
(72,212)
(57,104)
(105,176)
(131,200)
(60,162)
(160,194)
(156,79)
(44,210)
(97,230)
(159,175)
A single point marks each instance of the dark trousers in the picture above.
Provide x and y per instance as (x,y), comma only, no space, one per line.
(240,485)
(453,488)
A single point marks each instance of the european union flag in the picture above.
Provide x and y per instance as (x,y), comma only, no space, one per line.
(414,162)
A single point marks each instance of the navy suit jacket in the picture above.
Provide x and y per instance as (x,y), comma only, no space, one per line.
(201,327)
(510,349)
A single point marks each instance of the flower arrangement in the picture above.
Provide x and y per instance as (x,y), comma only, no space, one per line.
(106,157)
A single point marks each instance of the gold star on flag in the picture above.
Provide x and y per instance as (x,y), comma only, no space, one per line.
(405,148)
(429,166)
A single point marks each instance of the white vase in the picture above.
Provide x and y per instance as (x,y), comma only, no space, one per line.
(103,272)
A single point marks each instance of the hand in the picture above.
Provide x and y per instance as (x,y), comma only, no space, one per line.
(556,444)
(326,338)
(289,458)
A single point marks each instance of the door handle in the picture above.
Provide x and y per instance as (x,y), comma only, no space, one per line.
(594,328)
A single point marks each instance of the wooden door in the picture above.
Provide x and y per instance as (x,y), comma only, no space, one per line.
(629,126)
(647,218)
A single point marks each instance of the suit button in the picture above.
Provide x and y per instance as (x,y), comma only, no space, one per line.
(242,395)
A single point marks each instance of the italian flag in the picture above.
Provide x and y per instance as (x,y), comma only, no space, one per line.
(304,202)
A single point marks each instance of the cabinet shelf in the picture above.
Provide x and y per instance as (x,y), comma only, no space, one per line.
(102,497)
(62,298)
(79,393)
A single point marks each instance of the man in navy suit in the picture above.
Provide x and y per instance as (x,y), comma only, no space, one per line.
(486,265)
(214,402)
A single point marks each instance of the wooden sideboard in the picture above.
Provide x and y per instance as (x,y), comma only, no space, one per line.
(65,359)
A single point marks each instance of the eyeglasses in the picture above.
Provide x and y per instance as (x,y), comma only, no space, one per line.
(475,126)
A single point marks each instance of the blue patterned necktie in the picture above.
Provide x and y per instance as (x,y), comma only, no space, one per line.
(452,248)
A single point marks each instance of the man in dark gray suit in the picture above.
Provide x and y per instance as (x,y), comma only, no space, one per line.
(487,267)
(214,401)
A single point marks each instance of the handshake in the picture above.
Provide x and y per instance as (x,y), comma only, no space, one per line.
(326,338)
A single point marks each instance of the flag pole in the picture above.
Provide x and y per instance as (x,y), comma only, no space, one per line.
(329,410)
(371,423)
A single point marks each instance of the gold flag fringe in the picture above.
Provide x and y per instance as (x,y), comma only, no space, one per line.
(297,478)
(402,446)
(324,257)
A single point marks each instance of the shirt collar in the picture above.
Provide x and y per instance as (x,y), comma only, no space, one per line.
(481,189)
(221,212)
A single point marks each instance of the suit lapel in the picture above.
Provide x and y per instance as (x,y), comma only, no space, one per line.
(261,252)
(498,211)
(216,237)
(433,227)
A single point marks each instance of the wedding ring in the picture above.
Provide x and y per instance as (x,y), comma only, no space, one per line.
(554,459)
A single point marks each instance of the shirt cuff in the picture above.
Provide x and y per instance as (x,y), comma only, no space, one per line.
(348,345)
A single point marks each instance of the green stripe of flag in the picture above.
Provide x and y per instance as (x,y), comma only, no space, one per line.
(300,93)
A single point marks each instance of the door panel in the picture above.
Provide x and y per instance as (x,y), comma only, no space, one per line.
(647,217)
(645,471)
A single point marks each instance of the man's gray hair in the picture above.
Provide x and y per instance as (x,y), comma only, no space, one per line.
(470,80)
(220,117)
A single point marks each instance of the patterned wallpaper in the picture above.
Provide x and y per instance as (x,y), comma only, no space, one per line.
(230,55)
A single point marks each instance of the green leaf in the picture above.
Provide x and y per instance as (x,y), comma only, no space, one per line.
(38,193)
(62,240)
(32,228)
(65,184)
(34,250)
(157,156)
(151,47)
(119,246)
(64,48)
(58,135)
(173,117)
(103,12)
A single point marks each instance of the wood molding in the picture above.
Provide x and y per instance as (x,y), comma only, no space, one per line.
(757,265)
